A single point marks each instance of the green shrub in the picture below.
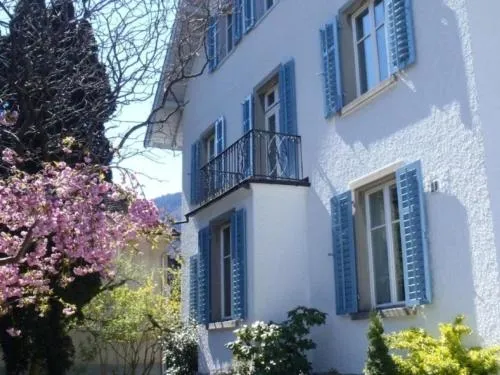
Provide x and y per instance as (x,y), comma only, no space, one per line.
(419,353)
(379,361)
(180,351)
(277,349)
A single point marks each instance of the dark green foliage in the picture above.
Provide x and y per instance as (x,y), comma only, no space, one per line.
(379,361)
(277,349)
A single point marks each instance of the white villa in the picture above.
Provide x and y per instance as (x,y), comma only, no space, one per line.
(342,155)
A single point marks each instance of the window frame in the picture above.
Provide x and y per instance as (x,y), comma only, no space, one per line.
(388,223)
(224,314)
(370,5)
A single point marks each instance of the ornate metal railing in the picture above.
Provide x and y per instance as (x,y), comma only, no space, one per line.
(258,155)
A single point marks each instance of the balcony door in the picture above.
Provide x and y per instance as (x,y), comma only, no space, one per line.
(271,122)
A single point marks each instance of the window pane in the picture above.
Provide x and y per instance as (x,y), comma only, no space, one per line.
(362,25)
(377,215)
(398,258)
(270,98)
(367,72)
(229,32)
(271,123)
(382,53)
(393,194)
(227,241)
(381,266)
(379,12)
(227,286)
(269,4)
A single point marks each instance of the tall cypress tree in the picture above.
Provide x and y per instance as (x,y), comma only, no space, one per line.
(50,72)
(379,361)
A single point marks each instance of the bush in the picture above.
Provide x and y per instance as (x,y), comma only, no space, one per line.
(180,351)
(421,353)
(277,349)
(379,361)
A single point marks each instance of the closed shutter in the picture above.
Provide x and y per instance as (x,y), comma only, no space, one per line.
(237,20)
(413,227)
(204,240)
(330,54)
(238,257)
(248,15)
(400,34)
(212,43)
(193,287)
(246,158)
(195,172)
(344,254)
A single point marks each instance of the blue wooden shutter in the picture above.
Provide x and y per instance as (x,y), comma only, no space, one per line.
(195,172)
(400,36)
(413,227)
(193,287)
(344,254)
(212,43)
(237,20)
(204,240)
(288,104)
(246,158)
(248,15)
(220,135)
(330,54)
(238,259)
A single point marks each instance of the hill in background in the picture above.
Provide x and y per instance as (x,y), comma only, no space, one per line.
(170,206)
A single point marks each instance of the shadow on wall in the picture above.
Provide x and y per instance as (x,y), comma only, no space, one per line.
(437,79)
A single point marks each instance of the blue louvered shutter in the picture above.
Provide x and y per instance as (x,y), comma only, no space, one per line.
(330,54)
(204,240)
(248,15)
(246,158)
(220,135)
(212,43)
(238,259)
(237,20)
(195,172)
(288,151)
(344,254)
(400,35)
(193,287)
(413,228)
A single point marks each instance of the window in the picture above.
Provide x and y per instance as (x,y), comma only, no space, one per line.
(210,146)
(218,271)
(269,4)
(362,47)
(229,32)
(271,109)
(370,46)
(377,266)
(384,246)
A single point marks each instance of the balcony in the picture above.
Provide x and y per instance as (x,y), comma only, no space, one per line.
(258,156)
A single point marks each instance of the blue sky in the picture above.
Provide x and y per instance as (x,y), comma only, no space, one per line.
(160,176)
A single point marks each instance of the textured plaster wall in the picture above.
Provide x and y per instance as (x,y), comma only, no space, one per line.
(442,111)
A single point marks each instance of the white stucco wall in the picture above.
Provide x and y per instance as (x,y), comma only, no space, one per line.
(443,111)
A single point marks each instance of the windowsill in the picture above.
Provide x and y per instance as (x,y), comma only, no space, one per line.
(243,34)
(227,324)
(368,96)
(387,312)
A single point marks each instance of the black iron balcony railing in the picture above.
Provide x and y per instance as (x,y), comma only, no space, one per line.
(258,155)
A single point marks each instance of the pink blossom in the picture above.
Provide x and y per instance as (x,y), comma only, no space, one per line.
(14,332)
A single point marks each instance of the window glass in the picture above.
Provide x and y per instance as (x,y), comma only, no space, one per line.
(377,214)
(379,13)
(229,21)
(269,4)
(226,251)
(381,266)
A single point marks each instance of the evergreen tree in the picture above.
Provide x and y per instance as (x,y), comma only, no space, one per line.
(51,75)
(379,361)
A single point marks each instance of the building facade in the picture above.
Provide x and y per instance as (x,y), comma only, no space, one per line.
(341,154)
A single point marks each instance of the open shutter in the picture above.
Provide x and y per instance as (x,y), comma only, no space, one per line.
(248,15)
(400,34)
(238,258)
(288,105)
(344,254)
(195,172)
(330,54)
(220,135)
(246,159)
(204,239)
(237,20)
(212,43)
(413,227)
(193,287)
